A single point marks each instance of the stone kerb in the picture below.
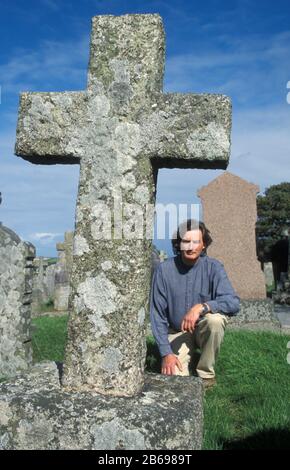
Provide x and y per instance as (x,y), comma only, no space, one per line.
(256,314)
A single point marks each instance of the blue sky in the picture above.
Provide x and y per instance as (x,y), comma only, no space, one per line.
(240,48)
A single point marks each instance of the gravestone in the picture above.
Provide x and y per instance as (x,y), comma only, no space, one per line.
(121,130)
(63,272)
(43,287)
(16,269)
(230,213)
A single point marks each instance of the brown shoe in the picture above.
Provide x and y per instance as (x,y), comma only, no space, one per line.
(208,383)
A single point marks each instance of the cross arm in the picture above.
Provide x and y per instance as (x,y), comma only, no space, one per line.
(47,126)
(183,130)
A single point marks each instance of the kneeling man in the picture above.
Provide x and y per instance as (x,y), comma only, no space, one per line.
(191,300)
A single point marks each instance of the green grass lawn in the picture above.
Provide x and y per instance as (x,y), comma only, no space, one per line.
(250,406)
(49,338)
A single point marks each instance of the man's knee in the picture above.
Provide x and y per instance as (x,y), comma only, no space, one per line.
(215,322)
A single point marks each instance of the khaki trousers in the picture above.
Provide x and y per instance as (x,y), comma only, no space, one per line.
(207,337)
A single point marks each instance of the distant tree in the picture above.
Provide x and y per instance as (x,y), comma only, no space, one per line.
(273,218)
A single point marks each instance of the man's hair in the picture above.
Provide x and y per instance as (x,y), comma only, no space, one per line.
(190,224)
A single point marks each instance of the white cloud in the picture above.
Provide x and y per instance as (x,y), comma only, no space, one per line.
(45,238)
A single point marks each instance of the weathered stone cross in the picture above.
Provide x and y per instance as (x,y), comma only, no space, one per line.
(121,130)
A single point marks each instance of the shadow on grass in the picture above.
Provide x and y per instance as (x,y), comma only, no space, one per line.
(270,439)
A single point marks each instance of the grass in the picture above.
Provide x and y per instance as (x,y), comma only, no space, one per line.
(250,406)
(49,338)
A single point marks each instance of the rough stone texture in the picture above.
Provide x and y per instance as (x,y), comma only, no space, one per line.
(256,315)
(67,248)
(63,272)
(43,284)
(16,270)
(50,280)
(36,413)
(230,213)
(121,130)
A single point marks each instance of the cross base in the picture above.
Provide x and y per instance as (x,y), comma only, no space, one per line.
(37,414)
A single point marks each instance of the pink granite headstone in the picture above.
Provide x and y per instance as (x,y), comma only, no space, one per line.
(230,213)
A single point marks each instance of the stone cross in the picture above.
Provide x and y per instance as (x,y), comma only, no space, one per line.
(121,130)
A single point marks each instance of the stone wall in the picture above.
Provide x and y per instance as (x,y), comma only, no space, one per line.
(16,269)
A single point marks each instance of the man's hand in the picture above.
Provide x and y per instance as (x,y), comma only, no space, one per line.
(190,319)
(169,363)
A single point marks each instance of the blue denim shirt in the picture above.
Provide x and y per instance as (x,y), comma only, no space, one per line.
(177,287)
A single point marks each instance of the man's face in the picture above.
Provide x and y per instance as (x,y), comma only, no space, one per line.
(191,246)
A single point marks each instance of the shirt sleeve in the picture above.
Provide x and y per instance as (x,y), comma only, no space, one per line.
(225,298)
(159,312)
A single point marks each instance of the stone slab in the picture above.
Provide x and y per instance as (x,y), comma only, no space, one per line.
(36,413)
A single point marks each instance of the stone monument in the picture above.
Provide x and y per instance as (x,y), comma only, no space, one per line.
(121,130)
(230,213)
(43,286)
(63,272)
(16,270)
